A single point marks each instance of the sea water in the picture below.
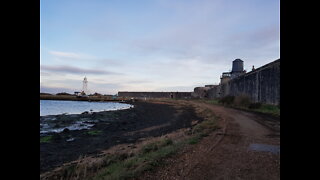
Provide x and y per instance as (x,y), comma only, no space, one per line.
(48,124)
(56,107)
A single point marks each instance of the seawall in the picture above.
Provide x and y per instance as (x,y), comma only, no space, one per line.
(261,85)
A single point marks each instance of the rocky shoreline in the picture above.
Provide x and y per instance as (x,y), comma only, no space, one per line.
(103,130)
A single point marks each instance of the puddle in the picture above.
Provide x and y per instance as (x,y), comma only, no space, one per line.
(265,147)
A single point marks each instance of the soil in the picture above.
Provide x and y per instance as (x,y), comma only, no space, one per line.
(128,126)
(226,154)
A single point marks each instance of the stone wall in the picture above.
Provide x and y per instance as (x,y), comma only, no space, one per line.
(261,85)
(154,94)
(200,92)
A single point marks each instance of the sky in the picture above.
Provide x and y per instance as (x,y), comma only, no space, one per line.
(152,45)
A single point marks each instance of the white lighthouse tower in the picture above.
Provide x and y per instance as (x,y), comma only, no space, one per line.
(85,85)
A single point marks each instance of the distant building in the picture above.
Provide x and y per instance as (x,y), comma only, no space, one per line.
(77,93)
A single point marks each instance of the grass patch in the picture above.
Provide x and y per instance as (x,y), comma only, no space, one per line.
(204,128)
(268,109)
(46,139)
(243,102)
(151,156)
(214,101)
(156,145)
(94,132)
(194,140)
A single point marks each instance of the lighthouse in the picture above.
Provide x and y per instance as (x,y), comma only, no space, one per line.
(85,85)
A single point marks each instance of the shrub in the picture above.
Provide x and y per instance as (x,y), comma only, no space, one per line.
(228,100)
(256,105)
(242,101)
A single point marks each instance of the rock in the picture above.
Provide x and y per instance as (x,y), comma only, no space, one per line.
(194,123)
(66,130)
(69,140)
(86,112)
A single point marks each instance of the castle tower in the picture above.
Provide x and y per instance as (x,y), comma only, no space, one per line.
(226,76)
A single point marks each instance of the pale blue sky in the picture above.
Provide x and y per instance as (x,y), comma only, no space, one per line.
(152,45)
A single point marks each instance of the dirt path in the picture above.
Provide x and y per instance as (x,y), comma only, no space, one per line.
(228,154)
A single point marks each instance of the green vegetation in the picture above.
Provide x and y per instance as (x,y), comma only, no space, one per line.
(94,132)
(228,100)
(46,139)
(244,102)
(150,157)
(214,101)
(195,139)
(268,109)
(156,145)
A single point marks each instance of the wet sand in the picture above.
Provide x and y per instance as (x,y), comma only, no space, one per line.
(146,119)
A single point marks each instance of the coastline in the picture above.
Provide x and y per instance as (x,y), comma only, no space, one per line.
(111,128)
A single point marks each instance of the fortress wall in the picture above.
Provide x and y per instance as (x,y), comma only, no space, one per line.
(154,94)
(214,92)
(261,85)
(201,92)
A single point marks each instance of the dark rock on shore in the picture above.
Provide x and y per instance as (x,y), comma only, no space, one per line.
(66,130)
(86,112)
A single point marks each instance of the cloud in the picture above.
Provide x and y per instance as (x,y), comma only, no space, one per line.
(70,55)
(110,62)
(71,85)
(76,70)
(54,90)
(164,44)
(177,88)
